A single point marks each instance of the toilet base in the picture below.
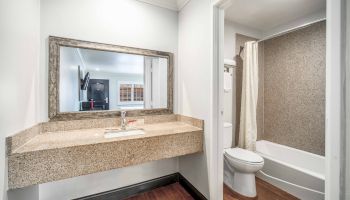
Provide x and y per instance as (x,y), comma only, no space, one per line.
(244,184)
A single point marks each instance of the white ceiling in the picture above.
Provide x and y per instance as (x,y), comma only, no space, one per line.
(112,62)
(267,14)
(169,4)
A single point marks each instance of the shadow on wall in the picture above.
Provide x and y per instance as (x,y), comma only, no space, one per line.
(28,193)
(238,95)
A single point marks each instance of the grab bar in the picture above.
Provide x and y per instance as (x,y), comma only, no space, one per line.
(295,185)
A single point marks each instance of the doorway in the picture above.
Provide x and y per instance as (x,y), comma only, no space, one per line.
(98,93)
(333,88)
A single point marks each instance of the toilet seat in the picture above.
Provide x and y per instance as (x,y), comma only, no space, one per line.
(244,156)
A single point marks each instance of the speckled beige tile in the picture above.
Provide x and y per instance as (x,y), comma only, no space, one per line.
(71,138)
(294,89)
(159,118)
(21,138)
(190,120)
(101,123)
(62,154)
(56,164)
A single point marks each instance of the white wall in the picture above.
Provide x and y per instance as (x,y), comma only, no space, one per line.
(319,15)
(231,29)
(121,22)
(159,83)
(19,50)
(69,83)
(346,154)
(108,180)
(334,98)
(194,84)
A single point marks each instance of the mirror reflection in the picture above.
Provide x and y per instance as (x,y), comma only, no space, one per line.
(100,80)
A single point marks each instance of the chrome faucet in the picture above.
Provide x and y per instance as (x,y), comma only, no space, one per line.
(123,119)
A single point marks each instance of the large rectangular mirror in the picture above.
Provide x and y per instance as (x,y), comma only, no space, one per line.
(91,80)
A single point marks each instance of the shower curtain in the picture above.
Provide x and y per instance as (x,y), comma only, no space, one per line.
(248,126)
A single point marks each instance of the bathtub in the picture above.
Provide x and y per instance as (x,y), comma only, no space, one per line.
(297,172)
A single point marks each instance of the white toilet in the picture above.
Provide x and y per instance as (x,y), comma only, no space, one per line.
(240,166)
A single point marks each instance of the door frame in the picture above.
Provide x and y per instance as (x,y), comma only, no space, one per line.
(335,97)
(346,180)
(105,81)
(217,52)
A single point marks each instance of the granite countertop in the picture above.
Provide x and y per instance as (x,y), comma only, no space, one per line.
(54,151)
(62,139)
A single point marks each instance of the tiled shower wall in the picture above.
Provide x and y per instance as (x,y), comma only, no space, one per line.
(291,100)
(294,89)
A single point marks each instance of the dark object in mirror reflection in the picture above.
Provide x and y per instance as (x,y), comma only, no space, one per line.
(84,83)
(91,104)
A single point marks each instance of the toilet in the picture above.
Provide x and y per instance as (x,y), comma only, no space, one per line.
(240,166)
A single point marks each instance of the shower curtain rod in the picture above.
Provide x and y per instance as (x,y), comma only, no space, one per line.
(285,32)
(291,30)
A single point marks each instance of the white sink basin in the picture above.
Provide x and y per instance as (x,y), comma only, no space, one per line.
(114,133)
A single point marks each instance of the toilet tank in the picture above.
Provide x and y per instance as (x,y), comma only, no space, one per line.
(227,135)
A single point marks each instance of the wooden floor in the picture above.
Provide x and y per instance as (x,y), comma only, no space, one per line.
(265,191)
(175,191)
(170,192)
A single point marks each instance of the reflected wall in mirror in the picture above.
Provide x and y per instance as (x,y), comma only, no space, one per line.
(103,80)
(87,77)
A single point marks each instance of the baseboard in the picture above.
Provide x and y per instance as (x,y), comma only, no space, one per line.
(190,188)
(128,191)
(237,195)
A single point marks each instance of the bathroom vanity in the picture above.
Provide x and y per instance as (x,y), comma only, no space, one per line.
(58,150)
(84,134)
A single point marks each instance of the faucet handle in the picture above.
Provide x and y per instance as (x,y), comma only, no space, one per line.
(123,113)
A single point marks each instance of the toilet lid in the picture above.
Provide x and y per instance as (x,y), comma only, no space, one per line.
(244,155)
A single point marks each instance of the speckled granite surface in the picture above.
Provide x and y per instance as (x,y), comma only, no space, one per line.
(294,87)
(24,136)
(66,152)
(21,138)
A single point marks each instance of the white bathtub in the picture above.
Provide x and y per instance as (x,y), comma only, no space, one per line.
(300,173)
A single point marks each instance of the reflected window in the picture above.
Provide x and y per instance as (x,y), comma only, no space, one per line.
(138,92)
(125,92)
(131,93)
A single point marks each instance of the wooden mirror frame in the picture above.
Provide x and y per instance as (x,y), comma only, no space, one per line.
(54,78)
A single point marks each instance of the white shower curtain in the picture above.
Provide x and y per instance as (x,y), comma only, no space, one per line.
(248,126)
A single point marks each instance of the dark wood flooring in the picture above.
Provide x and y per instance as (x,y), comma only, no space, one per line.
(175,191)
(170,192)
(265,191)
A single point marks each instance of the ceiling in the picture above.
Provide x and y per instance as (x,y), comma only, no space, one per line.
(112,62)
(169,4)
(267,14)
